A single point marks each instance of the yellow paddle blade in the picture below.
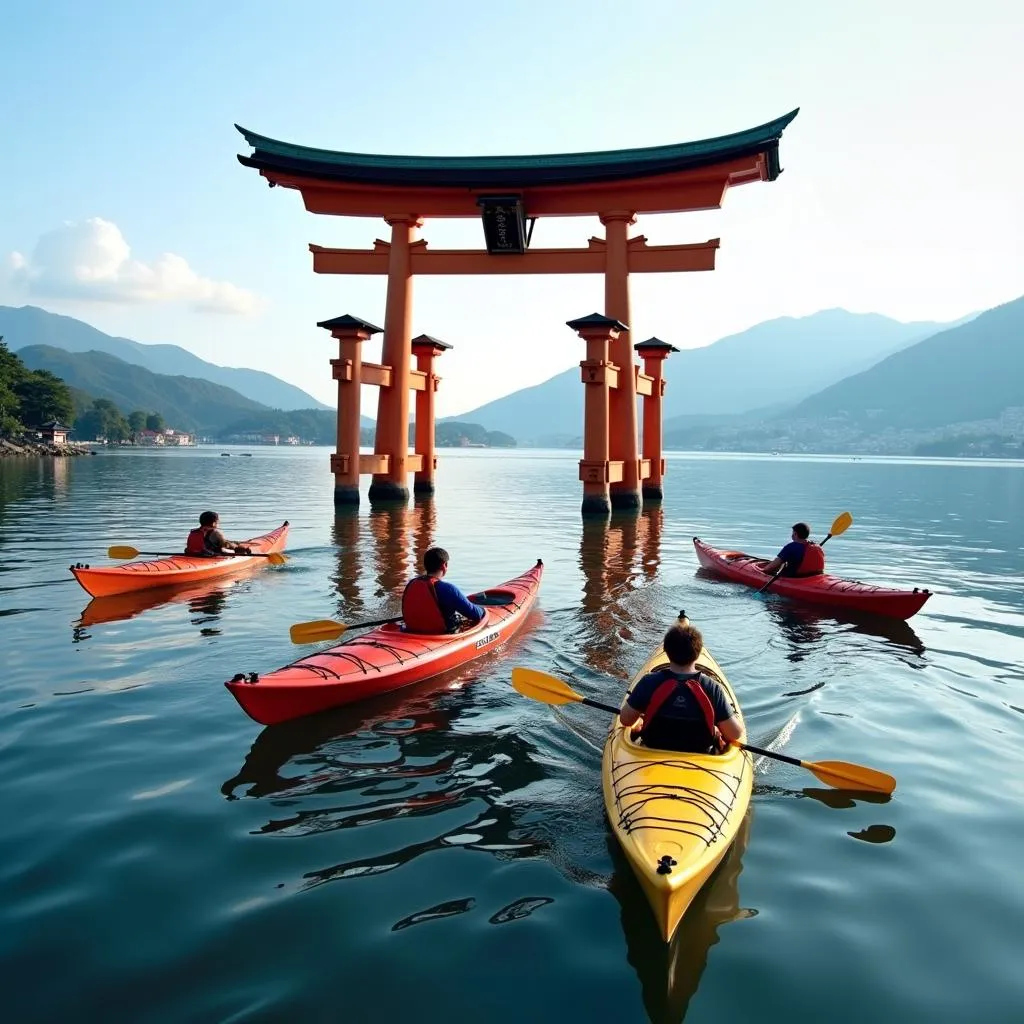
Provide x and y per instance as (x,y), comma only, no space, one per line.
(123,551)
(843,775)
(842,523)
(313,632)
(543,687)
(276,558)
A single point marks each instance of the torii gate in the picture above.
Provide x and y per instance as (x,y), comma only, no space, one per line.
(509,193)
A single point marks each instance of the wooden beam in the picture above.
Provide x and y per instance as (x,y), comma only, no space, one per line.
(643,259)
(374,463)
(600,472)
(696,189)
(374,373)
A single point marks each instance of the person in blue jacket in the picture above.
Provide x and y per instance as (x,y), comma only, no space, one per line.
(432,605)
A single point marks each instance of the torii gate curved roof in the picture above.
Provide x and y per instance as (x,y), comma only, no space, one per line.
(477,172)
(676,177)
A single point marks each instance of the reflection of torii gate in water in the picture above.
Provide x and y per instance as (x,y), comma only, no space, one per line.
(509,193)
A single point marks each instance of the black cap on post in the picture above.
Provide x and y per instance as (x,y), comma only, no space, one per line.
(654,345)
(346,322)
(596,320)
(426,339)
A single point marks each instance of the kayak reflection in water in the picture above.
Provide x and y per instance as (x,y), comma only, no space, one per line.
(682,708)
(207,541)
(432,605)
(800,557)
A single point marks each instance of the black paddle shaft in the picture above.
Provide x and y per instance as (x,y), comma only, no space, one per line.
(771,754)
(600,707)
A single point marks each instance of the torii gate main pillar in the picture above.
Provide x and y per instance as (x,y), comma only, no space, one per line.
(625,493)
(392,436)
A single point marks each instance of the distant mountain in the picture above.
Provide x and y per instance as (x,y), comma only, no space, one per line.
(546,414)
(24,326)
(776,363)
(973,372)
(186,403)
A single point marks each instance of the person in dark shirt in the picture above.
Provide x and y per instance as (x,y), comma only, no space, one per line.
(208,541)
(431,604)
(675,717)
(800,557)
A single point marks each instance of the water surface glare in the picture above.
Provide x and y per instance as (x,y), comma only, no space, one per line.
(441,853)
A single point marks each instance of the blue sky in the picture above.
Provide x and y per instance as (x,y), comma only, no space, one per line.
(901,192)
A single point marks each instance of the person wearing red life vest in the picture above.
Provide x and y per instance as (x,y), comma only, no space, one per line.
(800,557)
(432,605)
(682,708)
(207,541)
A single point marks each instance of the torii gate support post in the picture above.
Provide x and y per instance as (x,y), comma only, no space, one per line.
(654,352)
(392,437)
(350,333)
(426,349)
(600,377)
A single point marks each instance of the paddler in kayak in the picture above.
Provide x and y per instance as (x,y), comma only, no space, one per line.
(432,605)
(207,541)
(682,708)
(800,557)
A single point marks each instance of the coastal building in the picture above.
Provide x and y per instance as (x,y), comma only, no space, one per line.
(54,432)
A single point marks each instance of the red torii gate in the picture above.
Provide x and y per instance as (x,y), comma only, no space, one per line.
(509,193)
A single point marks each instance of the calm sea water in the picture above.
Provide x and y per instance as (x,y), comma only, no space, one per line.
(441,854)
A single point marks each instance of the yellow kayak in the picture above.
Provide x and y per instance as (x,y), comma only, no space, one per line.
(674,814)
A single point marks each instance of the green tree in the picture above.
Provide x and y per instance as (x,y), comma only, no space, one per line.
(43,396)
(104,419)
(136,423)
(154,421)
(12,370)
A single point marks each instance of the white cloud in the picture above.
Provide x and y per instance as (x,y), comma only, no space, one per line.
(91,261)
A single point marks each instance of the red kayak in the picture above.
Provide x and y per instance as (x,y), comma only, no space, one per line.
(822,590)
(173,570)
(383,659)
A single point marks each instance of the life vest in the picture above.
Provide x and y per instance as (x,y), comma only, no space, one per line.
(813,561)
(421,610)
(196,543)
(668,688)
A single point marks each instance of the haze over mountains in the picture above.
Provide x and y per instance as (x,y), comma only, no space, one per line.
(22,326)
(768,367)
(965,374)
(833,381)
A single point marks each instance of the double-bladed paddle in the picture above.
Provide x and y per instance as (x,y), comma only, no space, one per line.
(327,629)
(839,774)
(842,523)
(124,551)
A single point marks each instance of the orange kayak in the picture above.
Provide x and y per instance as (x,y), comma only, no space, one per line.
(384,659)
(175,569)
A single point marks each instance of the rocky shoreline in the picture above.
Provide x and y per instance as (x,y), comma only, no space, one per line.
(39,449)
